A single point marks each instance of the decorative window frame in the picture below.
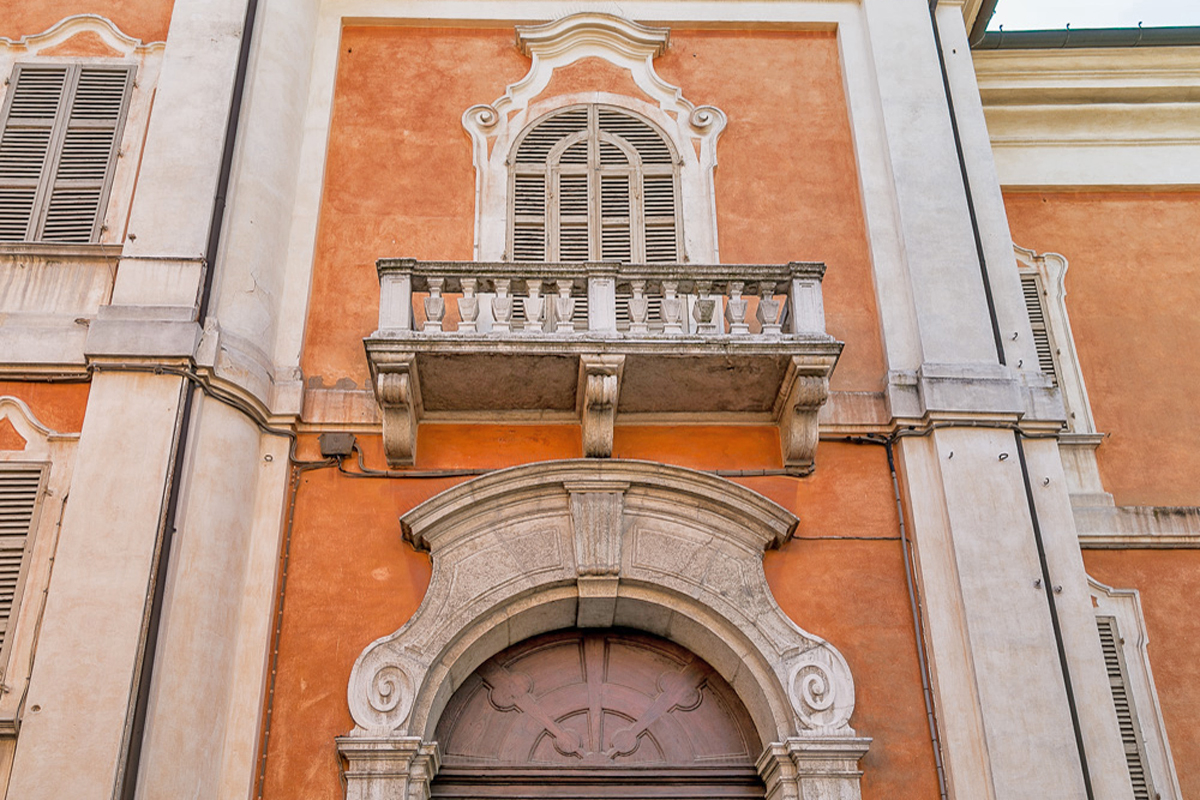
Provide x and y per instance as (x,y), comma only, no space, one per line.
(1050,270)
(145,58)
(692,130)
(54,453)
(1125,605)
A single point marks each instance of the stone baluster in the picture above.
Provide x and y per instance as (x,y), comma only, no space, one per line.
(468,306)
(435,306)
(672,308)
(502,307)
(768,309)
(639,308)
(535,307)
(704,311)
(564,308)
(735,310)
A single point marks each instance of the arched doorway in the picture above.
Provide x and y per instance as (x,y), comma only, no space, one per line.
(596,713)
(601,544)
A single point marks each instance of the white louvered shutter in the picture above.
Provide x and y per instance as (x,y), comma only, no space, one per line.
(1131,734)
(1032,291)
(79,187)
(20,488)
(594,183)
(62,128)
(30,114)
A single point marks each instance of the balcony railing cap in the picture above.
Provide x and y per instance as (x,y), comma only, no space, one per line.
(552,270)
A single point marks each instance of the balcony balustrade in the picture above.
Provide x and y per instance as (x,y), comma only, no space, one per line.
(656,342)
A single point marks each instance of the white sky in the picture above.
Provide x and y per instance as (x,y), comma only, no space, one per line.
(1056,14)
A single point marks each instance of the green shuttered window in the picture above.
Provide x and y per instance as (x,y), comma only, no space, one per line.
(61,131)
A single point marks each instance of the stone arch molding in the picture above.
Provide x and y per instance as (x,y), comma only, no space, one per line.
(585,543)
(68,27)
(39,439)
(693,129)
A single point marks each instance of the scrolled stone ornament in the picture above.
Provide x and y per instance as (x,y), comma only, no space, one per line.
(482,115)
(391,692)
(811,687)
(706,119)
(821,691)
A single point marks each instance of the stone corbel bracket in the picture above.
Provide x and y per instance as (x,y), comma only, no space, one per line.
(804,390)
(542,547)
(694,130)
(398,391)
(599,389)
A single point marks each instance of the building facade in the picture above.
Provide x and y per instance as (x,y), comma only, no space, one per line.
(680,399)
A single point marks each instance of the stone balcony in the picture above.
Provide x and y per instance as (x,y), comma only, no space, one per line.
(659,342)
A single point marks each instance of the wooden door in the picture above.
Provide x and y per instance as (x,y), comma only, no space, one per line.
(596,714)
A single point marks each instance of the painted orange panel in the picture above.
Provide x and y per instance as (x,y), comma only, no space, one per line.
(351,579)
(787,182)
(853,594)
(58,406)
(1133,287)
(700,446)
(83,45)
(9,438)
(1170,596)
(591,74)
(495,446)
(147,20)
(399,179)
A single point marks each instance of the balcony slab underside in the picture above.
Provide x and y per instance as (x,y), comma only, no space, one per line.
(658,375)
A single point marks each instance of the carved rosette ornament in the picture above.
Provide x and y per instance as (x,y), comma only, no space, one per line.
(594,544)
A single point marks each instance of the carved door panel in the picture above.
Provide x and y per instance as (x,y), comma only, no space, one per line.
(592,714)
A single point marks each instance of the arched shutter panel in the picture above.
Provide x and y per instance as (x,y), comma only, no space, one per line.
(608,188)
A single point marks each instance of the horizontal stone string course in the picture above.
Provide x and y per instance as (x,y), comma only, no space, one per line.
(466,298)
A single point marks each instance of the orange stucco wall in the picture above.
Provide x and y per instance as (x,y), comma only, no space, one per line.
(399,182)
(1170,594)
(399,179)
(351,579)
(147,20)
(1133,287)
(58,406)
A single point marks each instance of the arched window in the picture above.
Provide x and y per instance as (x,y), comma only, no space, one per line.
(594,183)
